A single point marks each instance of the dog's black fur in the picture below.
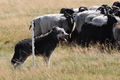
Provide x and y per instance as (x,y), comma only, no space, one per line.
(44,46)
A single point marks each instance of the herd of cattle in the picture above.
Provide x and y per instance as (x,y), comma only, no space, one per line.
(97,24)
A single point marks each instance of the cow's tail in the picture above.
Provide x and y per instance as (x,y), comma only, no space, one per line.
(16,55)
(31,24)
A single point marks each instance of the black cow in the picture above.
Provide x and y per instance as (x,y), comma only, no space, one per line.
(92,32)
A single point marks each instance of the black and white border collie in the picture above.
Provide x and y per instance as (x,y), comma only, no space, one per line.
(44,46)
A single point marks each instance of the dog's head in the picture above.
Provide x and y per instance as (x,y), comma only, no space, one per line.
(60,32)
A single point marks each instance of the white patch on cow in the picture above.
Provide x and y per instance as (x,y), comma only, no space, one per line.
(76,10)
(90,17)
(100,20)
(80,18)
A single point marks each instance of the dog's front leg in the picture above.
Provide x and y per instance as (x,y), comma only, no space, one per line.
(46,61)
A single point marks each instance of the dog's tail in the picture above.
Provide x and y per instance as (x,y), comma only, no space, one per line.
(16,55)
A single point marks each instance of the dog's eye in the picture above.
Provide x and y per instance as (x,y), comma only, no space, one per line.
(62,32)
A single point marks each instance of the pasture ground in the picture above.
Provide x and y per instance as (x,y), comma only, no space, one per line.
(67,62)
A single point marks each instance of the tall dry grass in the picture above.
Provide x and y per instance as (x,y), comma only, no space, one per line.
(67,62)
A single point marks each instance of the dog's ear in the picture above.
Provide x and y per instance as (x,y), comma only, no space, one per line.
(54,28)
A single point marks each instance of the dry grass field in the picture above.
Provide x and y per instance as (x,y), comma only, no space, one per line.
(67,62)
